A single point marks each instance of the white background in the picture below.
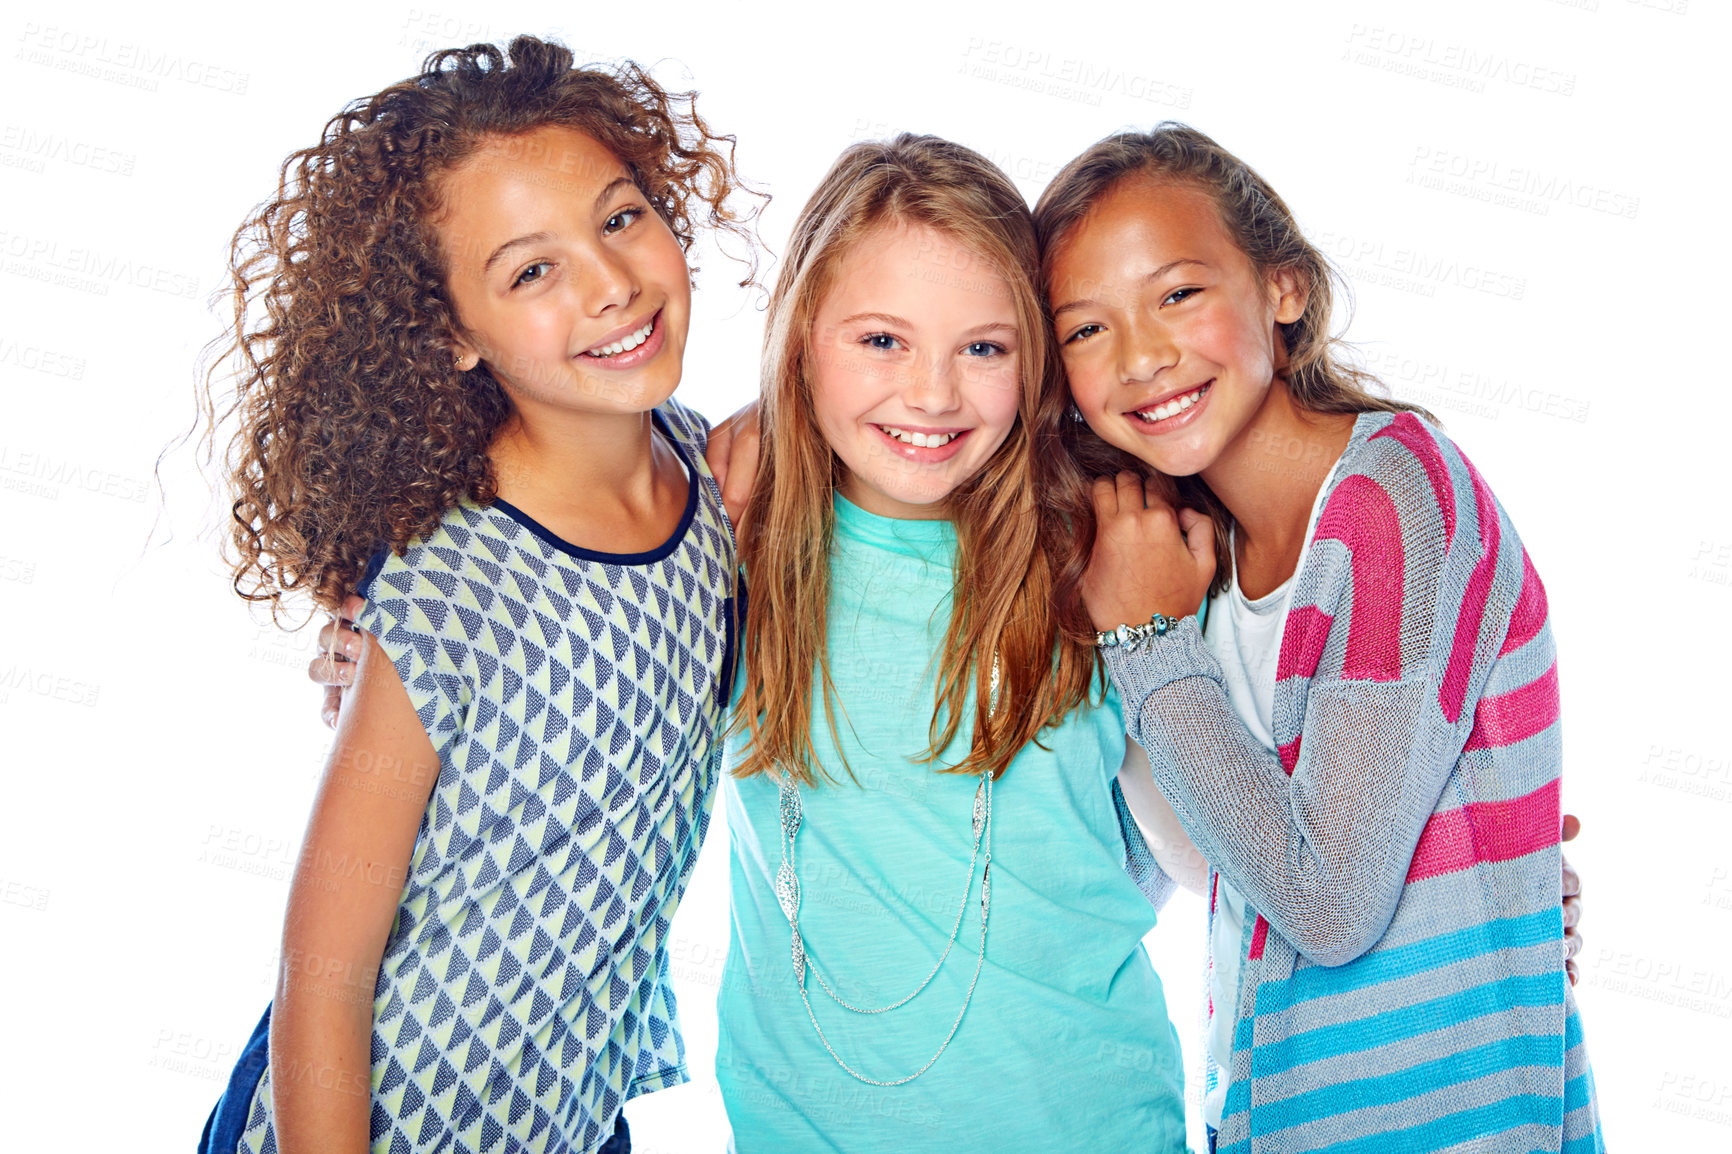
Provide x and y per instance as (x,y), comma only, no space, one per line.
(1523,192)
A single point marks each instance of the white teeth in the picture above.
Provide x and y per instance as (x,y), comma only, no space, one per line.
(920,440)
(624,345)
(1173,407)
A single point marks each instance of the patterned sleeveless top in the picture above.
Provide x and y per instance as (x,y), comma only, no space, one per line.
(575,700)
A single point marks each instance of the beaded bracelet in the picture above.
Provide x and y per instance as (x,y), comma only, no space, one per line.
(1133,636)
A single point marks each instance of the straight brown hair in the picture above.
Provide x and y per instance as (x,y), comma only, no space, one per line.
(1318,376)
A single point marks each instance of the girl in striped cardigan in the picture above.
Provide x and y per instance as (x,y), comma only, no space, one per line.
(1366,745)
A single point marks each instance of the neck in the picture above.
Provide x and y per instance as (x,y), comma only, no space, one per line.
(1268,478)
(538,458)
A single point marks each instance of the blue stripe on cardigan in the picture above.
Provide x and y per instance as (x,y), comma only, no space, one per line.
(1380,966)
(1383,1089)
(1336,1039)
(1514,1111)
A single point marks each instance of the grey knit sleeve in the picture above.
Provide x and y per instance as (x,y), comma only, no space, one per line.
(1140,862)
(1316,852)
(1395,622)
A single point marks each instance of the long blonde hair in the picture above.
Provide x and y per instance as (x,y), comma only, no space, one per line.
(1002,601)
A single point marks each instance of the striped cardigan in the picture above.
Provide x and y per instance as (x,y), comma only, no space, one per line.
(1402,980)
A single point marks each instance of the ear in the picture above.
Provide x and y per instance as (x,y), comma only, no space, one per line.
(466,355)
(1289,292)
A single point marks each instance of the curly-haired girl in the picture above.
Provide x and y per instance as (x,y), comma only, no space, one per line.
(457,327)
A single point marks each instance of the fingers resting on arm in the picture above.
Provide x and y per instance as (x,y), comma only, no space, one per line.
(733,459)
(334,668)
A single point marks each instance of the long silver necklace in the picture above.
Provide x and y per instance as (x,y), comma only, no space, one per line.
(788,895)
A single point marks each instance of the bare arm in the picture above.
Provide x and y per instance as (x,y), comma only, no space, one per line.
(1166,838)
(733,459)
(342,903)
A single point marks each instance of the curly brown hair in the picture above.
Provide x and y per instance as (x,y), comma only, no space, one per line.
(356,428)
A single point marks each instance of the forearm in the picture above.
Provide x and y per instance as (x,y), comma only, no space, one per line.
(321,1035)
(1319,853)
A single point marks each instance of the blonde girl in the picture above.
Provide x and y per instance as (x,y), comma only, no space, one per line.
(936,945)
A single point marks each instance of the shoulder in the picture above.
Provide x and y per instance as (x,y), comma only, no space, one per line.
(686,426)
(1415,516)
(1401,477)
(470,552)
(690,433)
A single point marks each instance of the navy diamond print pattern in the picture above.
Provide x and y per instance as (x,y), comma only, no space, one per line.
(574,703)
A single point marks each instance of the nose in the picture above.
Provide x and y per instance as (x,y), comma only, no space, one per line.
(606,281)
(1146,348)
(932,386)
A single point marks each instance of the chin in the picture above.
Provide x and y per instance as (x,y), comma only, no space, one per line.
(918,496)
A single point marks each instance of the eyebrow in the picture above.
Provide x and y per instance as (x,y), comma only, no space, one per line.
(530,238)
(1083,302)
(602,196)
(885,318)
(903,322)
(601,199)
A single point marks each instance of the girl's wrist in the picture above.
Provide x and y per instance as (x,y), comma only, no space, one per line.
(1133,636)
(1174,607)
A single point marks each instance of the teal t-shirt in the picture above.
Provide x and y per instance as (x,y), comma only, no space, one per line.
(1066,1044)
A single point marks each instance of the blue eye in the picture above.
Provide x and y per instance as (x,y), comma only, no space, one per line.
(881,341)
(530,275)
(984,349)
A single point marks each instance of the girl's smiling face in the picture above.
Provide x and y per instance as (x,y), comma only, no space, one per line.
(1166,330)
(565,280)
(913,369)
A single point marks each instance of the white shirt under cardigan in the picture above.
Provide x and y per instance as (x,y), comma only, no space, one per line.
(1245,637)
